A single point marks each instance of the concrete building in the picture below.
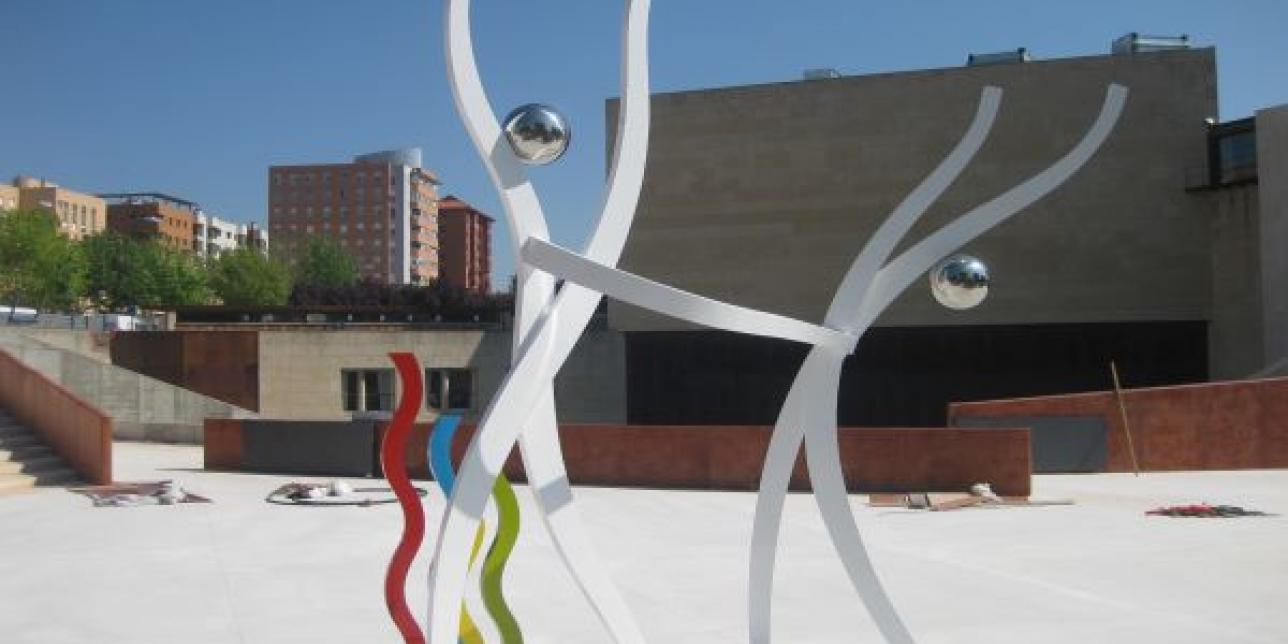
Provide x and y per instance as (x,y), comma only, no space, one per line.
(464,245)
(381,208)
(10,196)
(763,196)
(213,236)
(153,215)
(1246,188)
(78,214)
(334,371)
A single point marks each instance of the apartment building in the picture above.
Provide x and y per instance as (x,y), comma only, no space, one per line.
(464,245)
(214,236)
(78,214)
(381,208)
(9,197)
(153,215)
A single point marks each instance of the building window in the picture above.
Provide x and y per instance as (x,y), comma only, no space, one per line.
(457,384)
(367,389)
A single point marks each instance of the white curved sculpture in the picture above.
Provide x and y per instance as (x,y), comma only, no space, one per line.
(547,328)
(539,442)
(809,411)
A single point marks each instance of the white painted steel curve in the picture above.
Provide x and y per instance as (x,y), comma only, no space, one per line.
(676,303)
(817,384)
(544,352)
(547,328)
(803,398)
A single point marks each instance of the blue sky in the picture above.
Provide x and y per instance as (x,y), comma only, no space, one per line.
(199,98)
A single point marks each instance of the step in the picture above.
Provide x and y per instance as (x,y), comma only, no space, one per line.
(12,482)
(19,440)
(13,430)
(33,465)
(24,452)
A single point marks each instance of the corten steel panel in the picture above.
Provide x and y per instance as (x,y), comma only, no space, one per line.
(731,457)
(1060,443)
(78,432)
(341,448)
(156,354)
(223,365)
(1273,423)
(222,446)
(417,456)
(1225,425)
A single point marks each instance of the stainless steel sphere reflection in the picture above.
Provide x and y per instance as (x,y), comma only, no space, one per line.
(959,282)
(537,133)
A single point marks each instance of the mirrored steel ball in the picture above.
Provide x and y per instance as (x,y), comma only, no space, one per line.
(959,282)
(537,133)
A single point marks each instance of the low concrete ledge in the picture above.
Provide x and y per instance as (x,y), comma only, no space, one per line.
(715,457)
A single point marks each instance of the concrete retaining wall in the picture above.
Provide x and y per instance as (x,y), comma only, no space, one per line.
(141,408)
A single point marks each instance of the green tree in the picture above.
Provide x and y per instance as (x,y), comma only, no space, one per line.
(245,277)
(323,264)
(39,267)
(129,272)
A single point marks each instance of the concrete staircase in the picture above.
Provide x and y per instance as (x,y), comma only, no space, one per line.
(25,461)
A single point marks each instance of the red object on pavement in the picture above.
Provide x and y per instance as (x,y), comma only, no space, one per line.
(393,459)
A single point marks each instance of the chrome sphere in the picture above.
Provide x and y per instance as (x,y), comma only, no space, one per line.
(959,282)
(537,133)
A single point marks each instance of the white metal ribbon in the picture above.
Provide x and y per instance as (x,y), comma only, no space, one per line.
(817,384)
(676,303)
(539,355)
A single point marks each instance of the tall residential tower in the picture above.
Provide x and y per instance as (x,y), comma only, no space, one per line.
(465,245)
(381,208)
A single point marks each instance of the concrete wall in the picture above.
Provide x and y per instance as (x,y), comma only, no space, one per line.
(763,195)
(299,374)
(1235,334)
(141,408)
(94,345)
(1272,172)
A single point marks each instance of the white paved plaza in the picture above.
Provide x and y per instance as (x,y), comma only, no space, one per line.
(242,570)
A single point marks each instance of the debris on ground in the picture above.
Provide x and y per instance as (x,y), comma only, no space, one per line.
(333,493)
(980,495)
(1204,511)
(120,495)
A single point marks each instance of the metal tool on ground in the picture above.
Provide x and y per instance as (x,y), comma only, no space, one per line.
(335,493)
(1122,409)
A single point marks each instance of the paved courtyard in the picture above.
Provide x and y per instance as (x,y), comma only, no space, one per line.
(242,570)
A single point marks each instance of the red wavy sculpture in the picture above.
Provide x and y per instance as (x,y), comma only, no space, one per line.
(393,459)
